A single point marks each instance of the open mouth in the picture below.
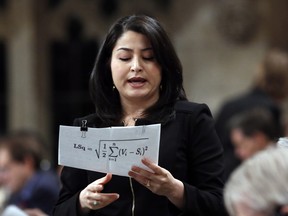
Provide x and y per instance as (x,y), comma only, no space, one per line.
(136,80)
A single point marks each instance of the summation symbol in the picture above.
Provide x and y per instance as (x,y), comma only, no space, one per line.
(110,149)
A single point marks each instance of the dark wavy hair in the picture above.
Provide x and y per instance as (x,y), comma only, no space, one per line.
(107,100)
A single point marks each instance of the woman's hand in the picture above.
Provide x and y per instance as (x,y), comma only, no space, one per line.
(91,197)
(160,182)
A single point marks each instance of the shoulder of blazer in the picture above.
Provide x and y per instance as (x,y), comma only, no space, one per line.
(192,108)
(91,119)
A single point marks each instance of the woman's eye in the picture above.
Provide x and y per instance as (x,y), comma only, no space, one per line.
(150,58)
(124,59)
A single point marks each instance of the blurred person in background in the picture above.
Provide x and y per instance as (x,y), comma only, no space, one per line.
(253,131)
(269,90)
(282,142)
(3,191)
(258,187)
(31,188)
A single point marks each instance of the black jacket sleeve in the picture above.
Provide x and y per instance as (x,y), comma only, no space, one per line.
(68,202)
(204,191)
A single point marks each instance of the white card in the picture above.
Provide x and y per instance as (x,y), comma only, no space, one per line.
(108,150)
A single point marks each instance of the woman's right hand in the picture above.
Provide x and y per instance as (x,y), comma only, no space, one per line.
(91,197)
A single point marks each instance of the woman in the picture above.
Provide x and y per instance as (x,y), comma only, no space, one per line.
(137,80)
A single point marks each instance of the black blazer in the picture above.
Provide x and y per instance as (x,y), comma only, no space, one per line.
(189,149)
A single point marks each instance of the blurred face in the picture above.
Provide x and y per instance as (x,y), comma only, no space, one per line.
(245,146)
(136,73)
(4,158)
(284,210)
(243,210)
(12,173)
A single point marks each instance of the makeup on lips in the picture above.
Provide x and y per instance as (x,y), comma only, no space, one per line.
(137,81)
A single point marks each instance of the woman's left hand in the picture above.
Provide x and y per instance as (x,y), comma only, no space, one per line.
(160,182)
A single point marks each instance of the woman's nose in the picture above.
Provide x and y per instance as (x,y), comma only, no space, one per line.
(136,65)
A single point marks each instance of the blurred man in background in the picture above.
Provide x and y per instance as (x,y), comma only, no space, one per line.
(21,161)
(253,131)
(269,90)
(3,191)
(258,187)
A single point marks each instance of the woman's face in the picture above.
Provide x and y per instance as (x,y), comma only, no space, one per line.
(135,72)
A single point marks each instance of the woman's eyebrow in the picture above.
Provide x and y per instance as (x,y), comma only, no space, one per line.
(130,50)
(148,48)
(124,48)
